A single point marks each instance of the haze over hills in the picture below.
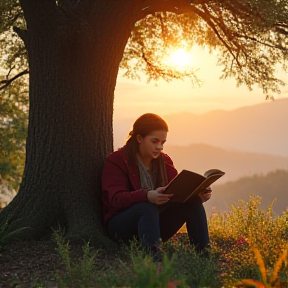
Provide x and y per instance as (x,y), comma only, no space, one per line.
(259,128)
(236,164)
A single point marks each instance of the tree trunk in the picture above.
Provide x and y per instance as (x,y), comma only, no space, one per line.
(73,70)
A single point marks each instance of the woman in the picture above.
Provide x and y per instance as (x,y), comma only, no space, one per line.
(133,180)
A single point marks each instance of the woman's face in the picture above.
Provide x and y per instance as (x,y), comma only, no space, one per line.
(151,145)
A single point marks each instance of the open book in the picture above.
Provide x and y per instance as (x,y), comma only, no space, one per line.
(188,183)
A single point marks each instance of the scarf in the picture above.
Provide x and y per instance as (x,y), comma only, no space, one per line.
(157,175)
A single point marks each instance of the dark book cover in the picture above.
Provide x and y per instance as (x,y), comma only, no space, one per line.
(187,184)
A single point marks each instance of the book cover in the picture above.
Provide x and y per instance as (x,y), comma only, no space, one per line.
(187,184)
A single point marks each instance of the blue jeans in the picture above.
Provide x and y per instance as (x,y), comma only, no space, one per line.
(144,221)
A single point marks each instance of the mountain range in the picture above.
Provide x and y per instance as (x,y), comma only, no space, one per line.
(260,128)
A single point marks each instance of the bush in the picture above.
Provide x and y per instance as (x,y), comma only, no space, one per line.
(235,235)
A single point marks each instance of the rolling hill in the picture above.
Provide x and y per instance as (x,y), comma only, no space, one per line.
(259,128)
(236,164)
(271,186)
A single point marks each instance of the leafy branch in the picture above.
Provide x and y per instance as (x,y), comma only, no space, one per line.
(5,83)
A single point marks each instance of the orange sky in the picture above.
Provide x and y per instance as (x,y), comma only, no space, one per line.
(133,98)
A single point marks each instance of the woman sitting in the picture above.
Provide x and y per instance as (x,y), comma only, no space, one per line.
(133,180)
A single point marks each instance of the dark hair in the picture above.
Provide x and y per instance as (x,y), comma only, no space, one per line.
(144,125)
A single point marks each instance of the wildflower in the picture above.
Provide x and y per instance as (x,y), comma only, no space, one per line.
(242,241)
(172,284)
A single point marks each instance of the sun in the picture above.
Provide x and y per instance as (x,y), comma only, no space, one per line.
(180,58)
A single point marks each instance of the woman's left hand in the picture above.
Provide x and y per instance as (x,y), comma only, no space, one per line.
(206,195)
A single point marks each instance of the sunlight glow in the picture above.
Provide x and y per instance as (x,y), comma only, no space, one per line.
(181,57)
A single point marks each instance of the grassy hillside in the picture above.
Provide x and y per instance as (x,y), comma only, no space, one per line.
(270,186)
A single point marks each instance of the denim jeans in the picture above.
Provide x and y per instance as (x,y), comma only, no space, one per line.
(144,221)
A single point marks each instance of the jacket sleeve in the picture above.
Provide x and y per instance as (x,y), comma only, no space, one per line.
(115,186)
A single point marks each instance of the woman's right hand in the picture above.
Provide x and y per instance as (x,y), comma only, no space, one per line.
(157,196)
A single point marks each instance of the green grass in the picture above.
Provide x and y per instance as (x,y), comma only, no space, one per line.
(79,274)
(6,235)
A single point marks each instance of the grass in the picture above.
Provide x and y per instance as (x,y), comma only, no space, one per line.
(248,249)
(5,235)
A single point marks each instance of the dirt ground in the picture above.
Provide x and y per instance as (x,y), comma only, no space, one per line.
(35,264)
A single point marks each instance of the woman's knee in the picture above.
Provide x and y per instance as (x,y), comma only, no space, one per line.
(194,203)
(147,208)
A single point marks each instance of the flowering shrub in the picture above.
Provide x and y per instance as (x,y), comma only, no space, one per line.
(234,236)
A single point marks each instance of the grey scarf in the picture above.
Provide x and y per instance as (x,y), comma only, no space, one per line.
(145,176)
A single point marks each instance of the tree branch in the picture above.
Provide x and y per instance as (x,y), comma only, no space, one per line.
(7,82)
(207,18)
(10,71)
(281,28)
(165,4)
(23,34)
(175,6)
(39,13)
(262,42)
(155,71)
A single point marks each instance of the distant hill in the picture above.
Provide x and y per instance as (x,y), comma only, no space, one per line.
(273,185)
(236,164)
(259,128)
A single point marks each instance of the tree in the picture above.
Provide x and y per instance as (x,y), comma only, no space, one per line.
(75,48)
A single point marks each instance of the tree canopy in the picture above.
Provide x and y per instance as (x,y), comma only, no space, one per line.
(249,37)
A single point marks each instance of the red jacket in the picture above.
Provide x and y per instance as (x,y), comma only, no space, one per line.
(121,184)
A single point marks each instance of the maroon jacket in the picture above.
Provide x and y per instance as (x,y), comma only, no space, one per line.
(121,184)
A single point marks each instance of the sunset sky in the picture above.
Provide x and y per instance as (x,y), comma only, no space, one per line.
(133,98)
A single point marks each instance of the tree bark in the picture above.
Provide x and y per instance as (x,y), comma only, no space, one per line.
(73,63)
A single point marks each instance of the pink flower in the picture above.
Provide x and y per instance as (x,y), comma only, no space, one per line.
(172,284)
(241,241)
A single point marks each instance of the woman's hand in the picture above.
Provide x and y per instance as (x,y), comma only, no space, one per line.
(206,194)
(157,196)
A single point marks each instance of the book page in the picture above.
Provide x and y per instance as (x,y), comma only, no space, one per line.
(211,172)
